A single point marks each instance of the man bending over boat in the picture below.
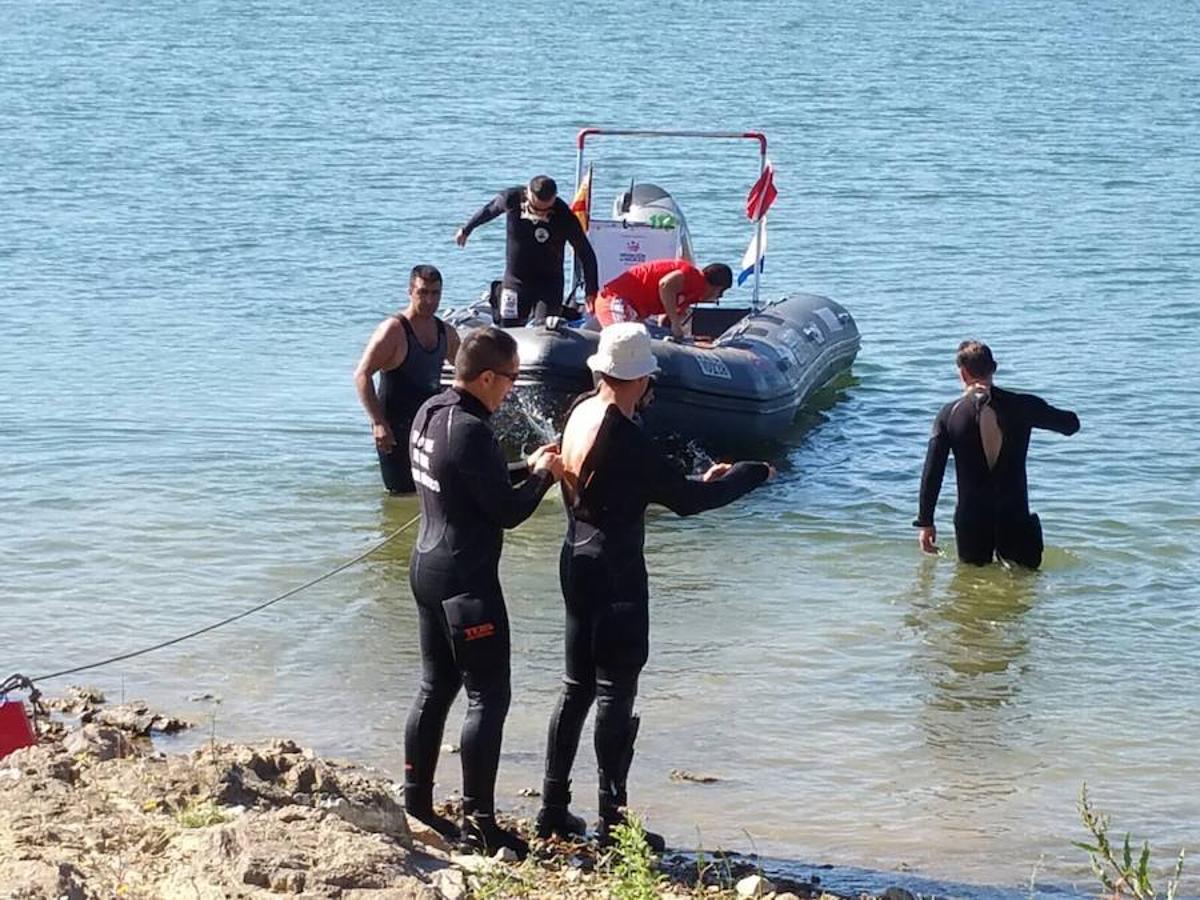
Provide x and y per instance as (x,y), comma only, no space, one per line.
(467,500)
(407,350)
(539,224)
(661,287)
(611,473)
(988,429)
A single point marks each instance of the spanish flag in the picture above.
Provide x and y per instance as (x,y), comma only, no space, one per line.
(583,198)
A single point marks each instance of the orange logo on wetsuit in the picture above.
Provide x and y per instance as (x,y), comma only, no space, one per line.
(475,632)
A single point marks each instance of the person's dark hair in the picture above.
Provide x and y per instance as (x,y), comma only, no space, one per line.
(425,273)
(543,187)
(976,358)
(719,275)
(482,350)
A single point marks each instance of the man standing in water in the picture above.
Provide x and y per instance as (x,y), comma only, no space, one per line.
(408,350)
(539,223)
(467,500)
(612,472)
(988,429)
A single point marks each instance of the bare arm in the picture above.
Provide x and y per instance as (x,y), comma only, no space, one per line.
(452,344)
(385,350)
(669,289)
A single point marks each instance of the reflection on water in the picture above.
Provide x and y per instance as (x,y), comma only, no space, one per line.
(971,649)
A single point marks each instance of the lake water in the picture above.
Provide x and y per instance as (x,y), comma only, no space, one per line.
(206,207)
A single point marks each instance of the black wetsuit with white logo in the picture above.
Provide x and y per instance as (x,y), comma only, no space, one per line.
(992,515)
(402,390)
(467,500)
(602,569)
(534,255)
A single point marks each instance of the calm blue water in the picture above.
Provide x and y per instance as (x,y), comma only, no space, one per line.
(206,207)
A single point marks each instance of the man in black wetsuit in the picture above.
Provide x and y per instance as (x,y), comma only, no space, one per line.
(407,350)
(467,500)
(539,224)
(612,472)
(988,429)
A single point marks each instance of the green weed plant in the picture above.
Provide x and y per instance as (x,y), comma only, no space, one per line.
(1119,872)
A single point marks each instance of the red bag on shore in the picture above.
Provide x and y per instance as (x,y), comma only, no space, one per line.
(15,730)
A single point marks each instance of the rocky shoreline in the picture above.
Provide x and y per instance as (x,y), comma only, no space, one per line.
(94,811)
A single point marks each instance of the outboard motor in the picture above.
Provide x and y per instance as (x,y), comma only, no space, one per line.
(648,204)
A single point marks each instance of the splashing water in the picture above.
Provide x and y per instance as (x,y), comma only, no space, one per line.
(702,461)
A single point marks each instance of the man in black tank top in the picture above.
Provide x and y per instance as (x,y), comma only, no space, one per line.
(988,430)
(407,350)
(539,224)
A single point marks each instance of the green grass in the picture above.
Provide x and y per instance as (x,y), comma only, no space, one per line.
(1118,871)
(630,863)
(201,814)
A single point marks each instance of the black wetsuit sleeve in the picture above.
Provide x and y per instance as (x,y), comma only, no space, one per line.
(584,253)
(935,469)
(498,206)
(486,478)
(1042,415)
(688,496)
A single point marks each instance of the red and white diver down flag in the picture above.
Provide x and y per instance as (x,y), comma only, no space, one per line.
(762,195)
(758,201)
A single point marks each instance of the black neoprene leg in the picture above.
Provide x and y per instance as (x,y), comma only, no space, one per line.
(440,682)
(975,536)
(489,693)
(616,691)
(394,467)
(579,690)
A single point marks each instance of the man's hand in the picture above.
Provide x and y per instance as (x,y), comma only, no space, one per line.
(384,439)
(546,459)
(460,237)
(677,331)
(716,470)
(927,538)
(589,303)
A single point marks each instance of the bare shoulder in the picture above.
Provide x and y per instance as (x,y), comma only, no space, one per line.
(388,343)
(580,431)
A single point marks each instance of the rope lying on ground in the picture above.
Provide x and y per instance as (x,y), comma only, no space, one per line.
(216,625)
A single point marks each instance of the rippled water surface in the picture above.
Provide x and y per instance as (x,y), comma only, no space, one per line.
(206,207)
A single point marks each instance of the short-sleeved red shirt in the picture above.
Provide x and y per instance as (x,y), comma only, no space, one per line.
(638,285)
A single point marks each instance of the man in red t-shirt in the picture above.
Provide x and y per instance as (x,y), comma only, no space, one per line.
(662,286)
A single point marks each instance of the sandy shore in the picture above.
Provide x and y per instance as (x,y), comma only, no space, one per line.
(96,811)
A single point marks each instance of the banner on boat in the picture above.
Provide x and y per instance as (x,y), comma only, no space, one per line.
(619,245)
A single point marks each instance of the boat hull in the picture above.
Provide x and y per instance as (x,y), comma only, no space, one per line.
(745,388)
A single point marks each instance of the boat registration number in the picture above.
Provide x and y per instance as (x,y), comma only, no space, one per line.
(713,366)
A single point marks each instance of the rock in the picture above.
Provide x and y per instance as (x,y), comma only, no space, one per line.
(897,893)
(787,895)
(685,775)
(78,700)
(754,886)
(100,743)
(572,875)
(470,862)
(529,792)
(423,834)
(451,748)
(38,879)
(136,718)
(450,883)
(505,854)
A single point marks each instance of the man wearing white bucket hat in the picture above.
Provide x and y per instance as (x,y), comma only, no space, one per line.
(611,473)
